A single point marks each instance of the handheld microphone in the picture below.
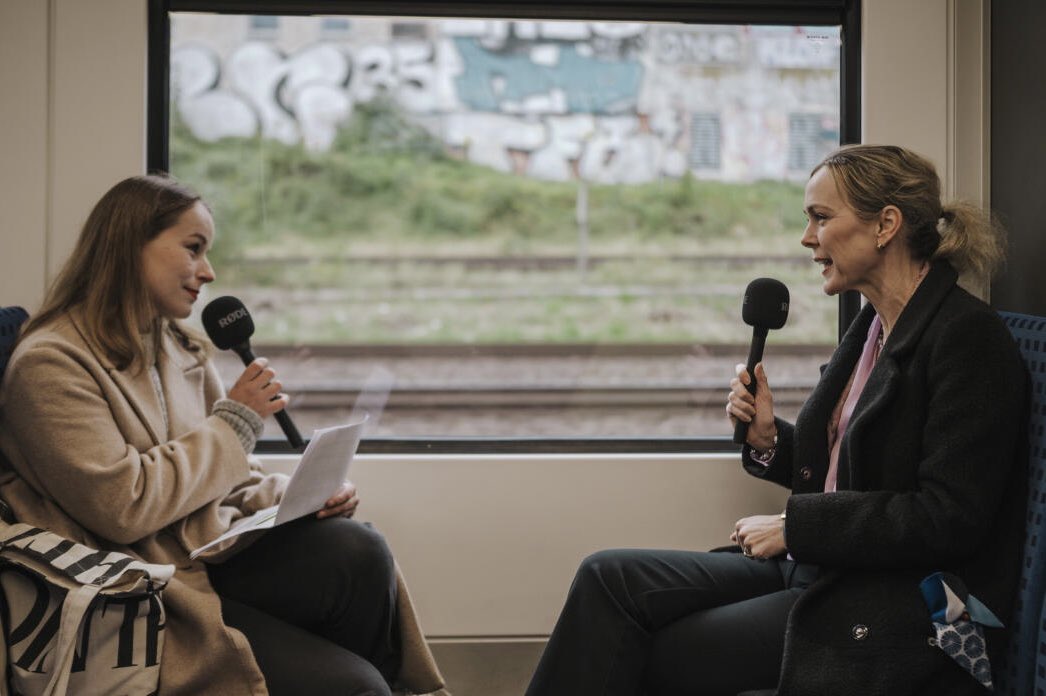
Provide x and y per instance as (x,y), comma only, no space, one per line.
(765,307)
(230,327)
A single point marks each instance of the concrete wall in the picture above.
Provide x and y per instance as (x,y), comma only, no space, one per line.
(518,96)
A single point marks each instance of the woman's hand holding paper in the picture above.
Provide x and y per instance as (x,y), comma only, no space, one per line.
(341,504)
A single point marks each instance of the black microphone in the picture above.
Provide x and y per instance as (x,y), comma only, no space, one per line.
(765,307)
(230,327)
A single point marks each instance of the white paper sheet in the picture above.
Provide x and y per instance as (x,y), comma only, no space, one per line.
(323,468)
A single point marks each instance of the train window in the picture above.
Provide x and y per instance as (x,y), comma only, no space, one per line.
(533,229)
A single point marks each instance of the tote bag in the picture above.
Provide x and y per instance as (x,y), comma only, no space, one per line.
(77,620)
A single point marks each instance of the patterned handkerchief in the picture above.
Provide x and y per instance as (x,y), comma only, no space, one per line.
(958,618)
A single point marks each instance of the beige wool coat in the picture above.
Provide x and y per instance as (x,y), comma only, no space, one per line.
(88,458)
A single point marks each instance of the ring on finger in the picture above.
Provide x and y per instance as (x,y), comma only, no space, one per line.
(747,551)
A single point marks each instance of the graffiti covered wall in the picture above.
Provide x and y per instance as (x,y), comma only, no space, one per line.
(607,102)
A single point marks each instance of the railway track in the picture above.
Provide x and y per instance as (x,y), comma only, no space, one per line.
(640,396)
(582,392)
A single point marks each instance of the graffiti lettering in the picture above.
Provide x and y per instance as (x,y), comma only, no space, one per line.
(32,637)
(607,101)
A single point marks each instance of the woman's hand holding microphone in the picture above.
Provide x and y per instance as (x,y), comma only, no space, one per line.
(755,409)
(759,536)
(258,389)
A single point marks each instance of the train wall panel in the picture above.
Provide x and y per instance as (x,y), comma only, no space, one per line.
(489,544)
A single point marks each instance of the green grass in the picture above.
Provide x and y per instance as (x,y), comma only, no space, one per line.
(387,188)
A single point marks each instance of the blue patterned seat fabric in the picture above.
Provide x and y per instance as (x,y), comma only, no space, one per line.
(11,319)
(1024,670)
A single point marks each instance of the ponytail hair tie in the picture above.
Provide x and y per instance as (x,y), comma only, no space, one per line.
(942,222)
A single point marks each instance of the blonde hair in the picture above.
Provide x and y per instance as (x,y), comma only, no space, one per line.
(103,276)
(871,177)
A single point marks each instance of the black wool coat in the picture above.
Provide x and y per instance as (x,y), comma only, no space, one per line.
(931,477)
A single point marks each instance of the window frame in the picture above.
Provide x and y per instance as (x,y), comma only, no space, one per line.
(843,13)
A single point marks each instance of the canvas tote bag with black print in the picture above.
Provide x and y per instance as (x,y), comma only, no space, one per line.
(77,620)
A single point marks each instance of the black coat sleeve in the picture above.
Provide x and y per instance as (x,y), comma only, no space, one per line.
(779,470)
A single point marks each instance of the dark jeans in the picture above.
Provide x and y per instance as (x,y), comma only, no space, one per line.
(683,623)
(316,599)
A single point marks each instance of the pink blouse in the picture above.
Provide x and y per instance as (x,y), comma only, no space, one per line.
(844,409)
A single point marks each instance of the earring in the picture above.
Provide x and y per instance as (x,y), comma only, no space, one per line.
(879,245)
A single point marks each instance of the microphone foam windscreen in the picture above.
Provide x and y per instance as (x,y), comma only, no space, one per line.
(765,304)
(227,322)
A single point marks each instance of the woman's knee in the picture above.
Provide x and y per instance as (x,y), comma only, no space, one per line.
(332,683)
(348,677)
(605,568)
(382,690)
(363,551)
(373,687)
(601,560)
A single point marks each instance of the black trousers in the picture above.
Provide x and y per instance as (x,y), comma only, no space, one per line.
(683,623)
(316,600)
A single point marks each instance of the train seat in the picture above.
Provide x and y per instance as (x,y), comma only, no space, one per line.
(1024,669)
(11,319)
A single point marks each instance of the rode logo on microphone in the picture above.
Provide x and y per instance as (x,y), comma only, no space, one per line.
(232,317)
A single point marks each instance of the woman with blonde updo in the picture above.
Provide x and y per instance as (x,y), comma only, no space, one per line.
(905,479)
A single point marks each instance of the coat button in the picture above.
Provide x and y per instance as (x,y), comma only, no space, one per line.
(859,632)
(805,473)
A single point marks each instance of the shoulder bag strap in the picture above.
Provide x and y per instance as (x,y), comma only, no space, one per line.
(74,608)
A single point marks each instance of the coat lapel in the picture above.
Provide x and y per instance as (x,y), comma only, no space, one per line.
(811,433)
(140,394)
(881,388)
(182,375)
(135,385)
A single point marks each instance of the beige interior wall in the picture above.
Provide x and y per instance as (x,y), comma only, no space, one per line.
(970,80)
(98,109)
(925,85)
(904,88)
(73,76)
(489,544)
(24,88)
